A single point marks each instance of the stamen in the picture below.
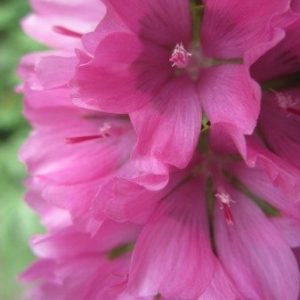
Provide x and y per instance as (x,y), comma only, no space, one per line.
(80,139)
(66,31)
(104,133)
(285,101)
(225,200)
(180,57)
(288,103)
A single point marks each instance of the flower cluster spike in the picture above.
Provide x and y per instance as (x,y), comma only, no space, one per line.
(144,132)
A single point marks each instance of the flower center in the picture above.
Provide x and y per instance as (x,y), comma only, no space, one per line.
(180,57)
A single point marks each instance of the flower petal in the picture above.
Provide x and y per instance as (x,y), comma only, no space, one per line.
(280,172)
(165,22)
(168,128)
(78,16)
(259,183)
(121,79)
(282,59)
(229,95)
(231,27)
(280,126)
(173,255)
(289,229)
(221,287)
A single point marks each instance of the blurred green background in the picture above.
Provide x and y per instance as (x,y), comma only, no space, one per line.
(17,222)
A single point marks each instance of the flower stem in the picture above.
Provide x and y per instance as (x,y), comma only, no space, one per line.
(197,10)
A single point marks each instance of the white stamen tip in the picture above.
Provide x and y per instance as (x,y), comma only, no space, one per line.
(285,101)
(224,198)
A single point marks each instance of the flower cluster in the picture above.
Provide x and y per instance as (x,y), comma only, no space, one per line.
(164,155)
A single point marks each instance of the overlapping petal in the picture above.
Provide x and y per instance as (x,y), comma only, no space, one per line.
(229,95)
(173,255)
(73,18)
(232,27)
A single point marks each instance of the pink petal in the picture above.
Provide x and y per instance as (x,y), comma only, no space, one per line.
(221,287)
(231,27)
(255,256)
(165,22)
(282,59)
(280,172)
(225,138)
(79,16)
(229,95)
(75,265)
(280,126)
(168,127)
(295,4)
(172,255)
(257,51)
(259,183)
(33,72)
(51,217)
(68,242)
(76,199)
(132,192)
(289,229)
(39,269)
(41,155)
(122,79)
(124,200)
(55,71)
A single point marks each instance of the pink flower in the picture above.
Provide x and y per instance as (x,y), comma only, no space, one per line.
(73,151)
(73,265)
(133,210)
(60,23)
(189,248)
(180,233)
(164,75)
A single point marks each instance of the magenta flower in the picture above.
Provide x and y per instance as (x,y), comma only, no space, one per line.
(60,23)
(183,252)
(165,75)
(136,205)
(74,265)
(97,144)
